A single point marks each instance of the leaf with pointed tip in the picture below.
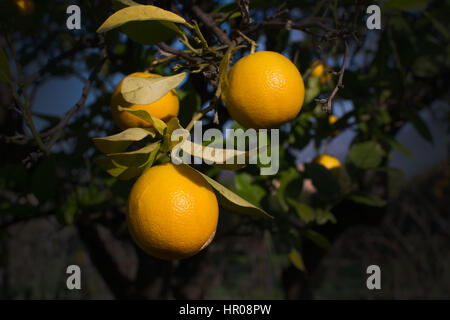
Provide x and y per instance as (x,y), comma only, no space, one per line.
(134,158)
(172,125)
(320,240)
(158,124)
(138,13)
(121,141)
(223,71)
(226,159)
(139,90)
(297,260)
(304,212)
(232,201)
(367,199)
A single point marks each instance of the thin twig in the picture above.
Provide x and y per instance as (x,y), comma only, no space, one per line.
(56,131)
(209,21)
(329,100)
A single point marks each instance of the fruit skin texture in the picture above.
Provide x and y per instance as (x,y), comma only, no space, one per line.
(172,212)
(331,163)
(265,90)
(165,108)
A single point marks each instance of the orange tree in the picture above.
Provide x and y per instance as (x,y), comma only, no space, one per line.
(387,76)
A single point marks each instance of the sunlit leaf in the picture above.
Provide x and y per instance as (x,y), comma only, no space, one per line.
(138,13)
(223,71)
(139,90)
(232,201)
(156,123)
(227,159)
(120,142)
(134,158)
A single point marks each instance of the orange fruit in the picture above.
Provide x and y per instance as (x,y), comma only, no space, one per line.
(265,90)
(25,7)
(331,163)
(318,69)
(331,120)
(172,212)
(165,108)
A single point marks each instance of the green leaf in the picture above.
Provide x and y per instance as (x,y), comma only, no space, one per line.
(297,260)
(223,71)
(111,167)
(135,158)
(226,159)
(5,73)
(288,178)
(317,238)
(247,189)
(367,199)
(232,201)
(172,125)
(408,5)
(146,32)
(139,90)
(312,89)
(397,146)
(117,171)
(150,32)
(70,209)
(305,212)
(324,216)
(138,13)
(366,155)
(120,142)
(420,125)
(158,124)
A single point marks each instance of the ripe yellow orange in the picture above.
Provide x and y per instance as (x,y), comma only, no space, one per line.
(331,163)
(318,69)
(331,120)
(165,108)
(172,212)
(265,90)
(25,7)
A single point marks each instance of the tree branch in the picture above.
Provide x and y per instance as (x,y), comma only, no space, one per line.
(329,100)
(208,21)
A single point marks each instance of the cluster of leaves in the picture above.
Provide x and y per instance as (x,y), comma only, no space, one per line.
(143,91)
(398,72)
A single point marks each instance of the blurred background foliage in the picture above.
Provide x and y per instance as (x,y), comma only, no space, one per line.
(62,209)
